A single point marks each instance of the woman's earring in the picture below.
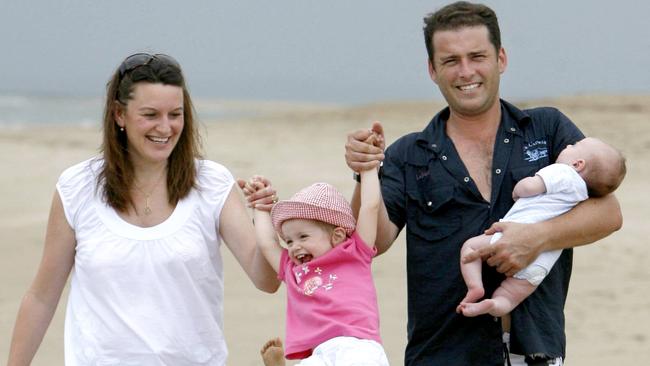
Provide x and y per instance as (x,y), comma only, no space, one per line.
(121,129)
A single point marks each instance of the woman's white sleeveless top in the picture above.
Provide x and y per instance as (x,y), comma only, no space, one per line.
(145,296)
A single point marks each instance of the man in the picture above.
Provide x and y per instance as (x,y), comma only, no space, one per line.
(453,180)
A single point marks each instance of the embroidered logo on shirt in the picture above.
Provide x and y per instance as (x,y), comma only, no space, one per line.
(535,150)
(422,173)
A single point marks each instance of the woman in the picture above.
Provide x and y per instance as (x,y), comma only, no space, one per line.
(141,225)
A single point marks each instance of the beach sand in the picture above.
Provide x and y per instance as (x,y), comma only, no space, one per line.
(608,309)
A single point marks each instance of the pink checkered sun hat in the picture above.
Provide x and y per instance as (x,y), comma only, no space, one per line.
(320,202)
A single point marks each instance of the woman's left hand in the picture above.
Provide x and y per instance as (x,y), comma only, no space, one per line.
(259,193)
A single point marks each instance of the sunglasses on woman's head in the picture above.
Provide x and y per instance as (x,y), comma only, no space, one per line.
(141,59)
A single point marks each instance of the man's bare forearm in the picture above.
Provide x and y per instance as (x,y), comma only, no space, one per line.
(589,221)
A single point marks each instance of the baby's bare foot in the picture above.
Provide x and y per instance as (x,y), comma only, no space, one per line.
(473,294)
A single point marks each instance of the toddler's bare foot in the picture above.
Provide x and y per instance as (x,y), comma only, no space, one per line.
(273,353)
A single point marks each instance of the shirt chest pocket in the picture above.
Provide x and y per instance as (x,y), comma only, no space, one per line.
(431,214)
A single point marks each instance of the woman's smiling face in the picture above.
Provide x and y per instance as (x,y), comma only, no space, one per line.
(153,121)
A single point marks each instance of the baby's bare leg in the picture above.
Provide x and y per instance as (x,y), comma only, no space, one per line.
(273,353)
(472,270)
(510,294)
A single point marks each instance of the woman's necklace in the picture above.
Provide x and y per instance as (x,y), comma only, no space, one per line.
(147,208)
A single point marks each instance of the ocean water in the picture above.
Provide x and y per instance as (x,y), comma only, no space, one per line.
(16,110)
(26,110)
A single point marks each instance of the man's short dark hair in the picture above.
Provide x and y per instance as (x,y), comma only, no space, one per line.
(458,15)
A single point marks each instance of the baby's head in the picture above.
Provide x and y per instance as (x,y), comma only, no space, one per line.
(599,164)
(313,221)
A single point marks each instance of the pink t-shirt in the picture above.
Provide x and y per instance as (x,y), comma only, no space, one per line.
(331,296)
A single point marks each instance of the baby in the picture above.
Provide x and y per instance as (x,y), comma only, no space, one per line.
(588,168)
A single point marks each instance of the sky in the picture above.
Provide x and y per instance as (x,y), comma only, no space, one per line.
(335,51)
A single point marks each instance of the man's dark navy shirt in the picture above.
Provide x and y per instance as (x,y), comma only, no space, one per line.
(426,187)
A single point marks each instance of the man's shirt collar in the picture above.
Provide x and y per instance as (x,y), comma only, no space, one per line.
(433,136)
